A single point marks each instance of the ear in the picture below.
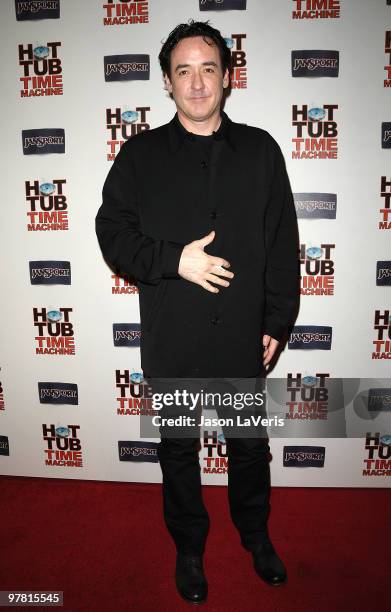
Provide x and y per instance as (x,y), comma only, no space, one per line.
(226,78)
(167,84)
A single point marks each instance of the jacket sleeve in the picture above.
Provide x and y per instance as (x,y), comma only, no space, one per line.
(282,274)
(117,225)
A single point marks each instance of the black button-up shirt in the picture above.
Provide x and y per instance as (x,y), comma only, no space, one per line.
(168,187)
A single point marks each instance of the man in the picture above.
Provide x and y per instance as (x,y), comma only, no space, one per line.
(200,212)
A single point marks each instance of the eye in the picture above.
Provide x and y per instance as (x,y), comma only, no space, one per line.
(209,69)
(182,72)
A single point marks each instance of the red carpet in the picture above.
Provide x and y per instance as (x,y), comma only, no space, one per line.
(106,546)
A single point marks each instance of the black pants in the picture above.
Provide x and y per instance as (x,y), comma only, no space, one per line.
(248,490)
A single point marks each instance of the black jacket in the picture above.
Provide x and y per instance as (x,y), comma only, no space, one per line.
(163,192)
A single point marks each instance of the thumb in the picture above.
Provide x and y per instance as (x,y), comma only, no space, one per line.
(207,239)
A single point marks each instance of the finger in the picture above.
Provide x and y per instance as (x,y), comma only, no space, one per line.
(219,261)
(221,271)
(266,340)
(217,280)
(206,239)
(208,286)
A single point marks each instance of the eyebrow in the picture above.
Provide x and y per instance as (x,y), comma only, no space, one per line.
(180,66)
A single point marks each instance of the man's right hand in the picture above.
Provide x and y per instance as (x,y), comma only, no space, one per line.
(198,267)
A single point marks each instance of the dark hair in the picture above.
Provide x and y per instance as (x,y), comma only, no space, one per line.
(188,30)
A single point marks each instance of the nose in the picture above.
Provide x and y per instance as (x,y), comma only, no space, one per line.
(197,82)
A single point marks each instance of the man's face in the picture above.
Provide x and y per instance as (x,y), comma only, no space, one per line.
(197,79)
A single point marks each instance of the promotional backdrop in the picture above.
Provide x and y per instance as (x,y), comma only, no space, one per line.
(79,78)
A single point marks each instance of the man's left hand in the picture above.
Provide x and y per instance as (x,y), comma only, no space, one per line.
(269,345)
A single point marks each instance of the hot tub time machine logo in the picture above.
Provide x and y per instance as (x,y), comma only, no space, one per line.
(55,331)
(385,210)
(2,403)
(238,75)
(317,269)
(134,396)
(382,327)
(63,445)
(316,132)
(122,124)
(316,9)
(387,51)
(216,460)
(307,396)
(378,461)
(42,70)
(48,205)
(123,286)
(125,12)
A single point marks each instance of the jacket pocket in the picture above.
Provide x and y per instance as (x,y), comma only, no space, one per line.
(156,303)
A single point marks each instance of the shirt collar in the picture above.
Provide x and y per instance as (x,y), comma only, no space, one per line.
(178,133)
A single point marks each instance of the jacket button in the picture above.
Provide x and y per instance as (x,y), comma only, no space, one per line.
(213,214)
(204,164)
(215,321)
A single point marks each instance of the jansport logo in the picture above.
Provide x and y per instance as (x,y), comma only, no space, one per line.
(123,286)
(39,142)
(382,328)
(383,273)
(315,63)
(304,456)
(50,272)
(125,12)
(216,459)
(126,334)
(55,331)
(27,10)
(386,135)
(378,461)
(316,132)
(58,393)
(222,5)
(317,269)
(379,400)
(126,67)
(131,450)
(122,124)
(387,51)
(238,75)
(42,70)
(4,446)
(311,337)
(308,396)
(63,446)
(385,210)
(315,205)
(134,396)
(317,9)
(48,205)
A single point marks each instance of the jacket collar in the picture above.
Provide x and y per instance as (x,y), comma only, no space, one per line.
(178,133)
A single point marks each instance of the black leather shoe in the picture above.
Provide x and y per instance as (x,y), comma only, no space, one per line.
(268,564)
(190,578)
